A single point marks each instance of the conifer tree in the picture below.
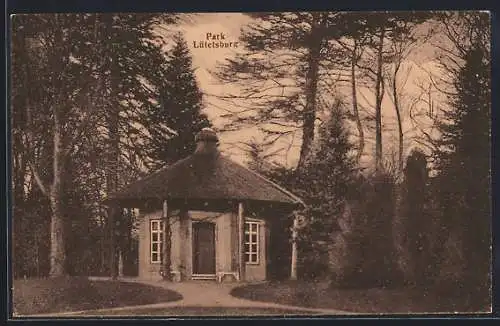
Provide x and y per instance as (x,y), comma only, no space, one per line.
(328,178)
(173,124)
(415,219)
(464,166)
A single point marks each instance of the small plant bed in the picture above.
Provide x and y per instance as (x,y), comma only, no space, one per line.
(51,295)
(365,301)
(200,311)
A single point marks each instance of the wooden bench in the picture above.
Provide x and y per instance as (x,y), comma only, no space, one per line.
(220,276)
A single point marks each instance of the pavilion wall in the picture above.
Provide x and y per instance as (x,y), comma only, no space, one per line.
(223,247)
(226,245)
(147,269)
(257,272)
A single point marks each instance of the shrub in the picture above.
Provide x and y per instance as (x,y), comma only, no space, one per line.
(362,253)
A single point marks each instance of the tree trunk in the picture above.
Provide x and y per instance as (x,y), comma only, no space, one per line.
(37,254)
(20,152)
(112,241)
(102,228)
(57,241)
(55,191)
(378,104)
(398,114)
(359,126)
(311,86)
(57,226)
(19,168)
(120,263)
(112,124)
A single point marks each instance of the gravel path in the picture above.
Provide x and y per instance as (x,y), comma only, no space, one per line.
(199,294)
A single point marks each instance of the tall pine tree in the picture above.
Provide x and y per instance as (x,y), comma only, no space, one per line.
(328,177)
(464,167)
(180,109)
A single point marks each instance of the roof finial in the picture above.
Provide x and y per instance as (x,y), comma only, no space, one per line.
(207,141)
(207,134)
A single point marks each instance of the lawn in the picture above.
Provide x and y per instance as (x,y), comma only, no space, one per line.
(46,295)
(371,301)
(200,311)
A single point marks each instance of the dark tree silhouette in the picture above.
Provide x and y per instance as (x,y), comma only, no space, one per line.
(174,123)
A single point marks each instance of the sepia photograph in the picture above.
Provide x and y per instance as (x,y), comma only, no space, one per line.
(272,164)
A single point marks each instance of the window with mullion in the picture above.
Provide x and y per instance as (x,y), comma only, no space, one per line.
(157,234)
(251,242)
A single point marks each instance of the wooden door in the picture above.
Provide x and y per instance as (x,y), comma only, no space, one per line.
(203,248)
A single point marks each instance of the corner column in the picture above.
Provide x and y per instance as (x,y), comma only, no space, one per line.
(241,242)
(185,250)
(293,269)
(167,245)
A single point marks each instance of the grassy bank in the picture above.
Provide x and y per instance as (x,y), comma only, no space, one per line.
(370,301)
(46,295)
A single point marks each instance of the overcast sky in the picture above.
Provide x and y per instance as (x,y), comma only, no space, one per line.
(229,24)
